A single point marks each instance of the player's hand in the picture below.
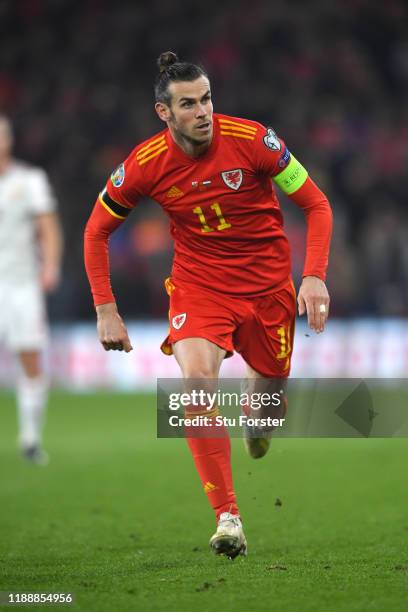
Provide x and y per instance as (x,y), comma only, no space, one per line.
(314,299)
(50,278)
(112,331)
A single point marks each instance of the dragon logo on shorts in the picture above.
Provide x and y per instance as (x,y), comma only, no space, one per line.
(232,178)
(118,176)
(179,320)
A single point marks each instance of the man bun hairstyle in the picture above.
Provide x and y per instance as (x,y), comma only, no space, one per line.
(172,70)
(166,59)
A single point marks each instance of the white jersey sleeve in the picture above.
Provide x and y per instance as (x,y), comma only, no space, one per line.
(41,197)
(25,193)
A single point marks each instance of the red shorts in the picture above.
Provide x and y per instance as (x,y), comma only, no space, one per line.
(259,329)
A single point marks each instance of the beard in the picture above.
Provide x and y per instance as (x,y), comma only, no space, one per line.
(192,140)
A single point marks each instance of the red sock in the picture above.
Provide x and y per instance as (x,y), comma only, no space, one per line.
(212,457)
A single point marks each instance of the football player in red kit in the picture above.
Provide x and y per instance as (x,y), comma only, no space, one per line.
(230,286)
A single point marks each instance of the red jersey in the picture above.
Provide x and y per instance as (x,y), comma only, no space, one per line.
(225,216)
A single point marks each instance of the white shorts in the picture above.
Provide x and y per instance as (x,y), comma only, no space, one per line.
(23,320)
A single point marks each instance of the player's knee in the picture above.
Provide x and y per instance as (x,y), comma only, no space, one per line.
(31,363)
(200,371)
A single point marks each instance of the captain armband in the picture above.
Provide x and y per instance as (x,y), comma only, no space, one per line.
(116,210)
(292,177)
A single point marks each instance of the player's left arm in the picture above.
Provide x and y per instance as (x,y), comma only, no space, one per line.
(313,296)
(272,158)
(51,243)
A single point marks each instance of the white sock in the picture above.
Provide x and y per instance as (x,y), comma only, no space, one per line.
(32,394)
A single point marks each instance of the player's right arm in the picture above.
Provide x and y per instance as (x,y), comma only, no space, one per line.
(112,331)
(113,205)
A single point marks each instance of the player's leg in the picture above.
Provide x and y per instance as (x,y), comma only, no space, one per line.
(199,358)
(265,341)
(32,392)
(257,438)
(200,361)
(200,335)
(26,337)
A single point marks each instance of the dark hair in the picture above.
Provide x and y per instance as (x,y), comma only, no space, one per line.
(171,70)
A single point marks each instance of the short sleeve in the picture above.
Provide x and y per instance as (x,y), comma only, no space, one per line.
(40,194)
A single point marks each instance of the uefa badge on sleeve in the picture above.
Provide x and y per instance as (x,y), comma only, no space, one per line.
(271,140)
(179,320)
(118,176)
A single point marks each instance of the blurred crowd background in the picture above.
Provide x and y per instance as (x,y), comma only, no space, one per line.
(331,78)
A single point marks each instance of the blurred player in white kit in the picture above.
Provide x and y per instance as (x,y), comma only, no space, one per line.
(30,256)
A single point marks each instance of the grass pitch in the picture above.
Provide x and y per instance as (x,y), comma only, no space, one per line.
(119,518)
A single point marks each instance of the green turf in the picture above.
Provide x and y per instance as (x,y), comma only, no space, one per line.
(119,518)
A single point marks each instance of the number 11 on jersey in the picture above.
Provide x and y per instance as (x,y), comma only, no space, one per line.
(223,224)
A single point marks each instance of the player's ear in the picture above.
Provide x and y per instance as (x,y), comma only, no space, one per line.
(163,111)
